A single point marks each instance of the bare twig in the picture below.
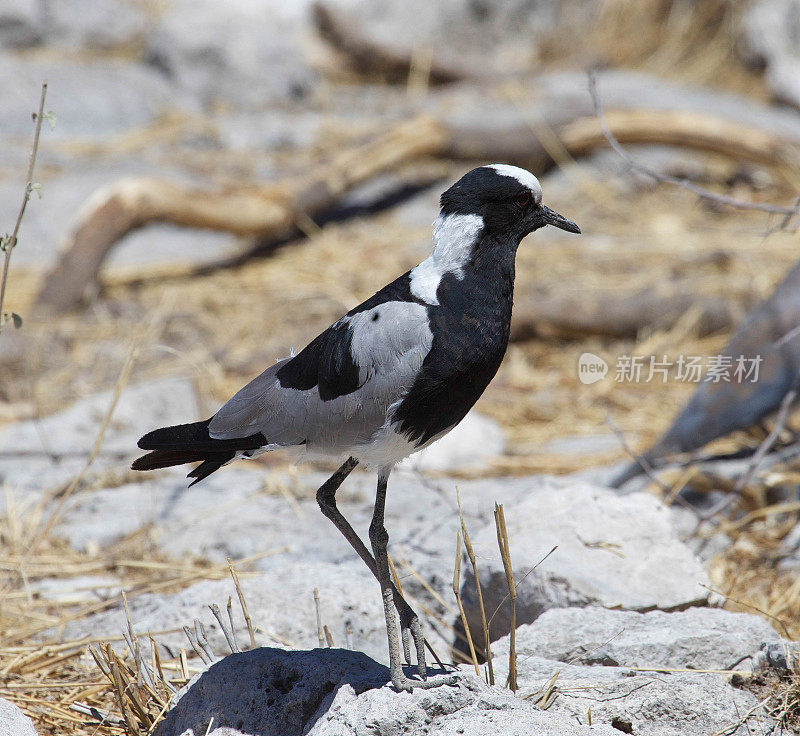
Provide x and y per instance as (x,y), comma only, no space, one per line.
(92,712)
(505,554)
(202,638)
(8,242)
(457,594)
(789,213)
(752,467)
(243,604)
(221,621)
(519,584)
(647,468)
(192,637)
(328,637)
(320,632)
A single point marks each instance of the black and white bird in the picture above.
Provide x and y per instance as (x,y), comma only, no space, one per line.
(392,376)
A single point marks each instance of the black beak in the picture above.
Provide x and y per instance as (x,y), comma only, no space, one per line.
(551,217)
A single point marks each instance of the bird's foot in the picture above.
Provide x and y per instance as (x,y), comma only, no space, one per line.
(411,628)
(403,683)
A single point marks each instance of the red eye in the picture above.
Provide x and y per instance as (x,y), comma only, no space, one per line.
(524,199)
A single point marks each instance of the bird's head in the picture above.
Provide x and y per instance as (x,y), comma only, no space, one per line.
(507,199)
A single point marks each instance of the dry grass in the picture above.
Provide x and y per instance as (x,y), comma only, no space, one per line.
(57,681)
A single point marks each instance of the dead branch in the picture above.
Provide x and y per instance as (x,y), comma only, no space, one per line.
(472,129)
(368,57)
(718,141)
(272,210)
(574,315)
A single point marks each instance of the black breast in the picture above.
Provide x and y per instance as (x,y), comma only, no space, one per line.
(470,328)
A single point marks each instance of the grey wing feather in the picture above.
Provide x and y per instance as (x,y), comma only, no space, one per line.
(388,352)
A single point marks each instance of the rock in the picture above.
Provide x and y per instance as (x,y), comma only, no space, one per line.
(480,37)
(470,445)
(280,601)
(698,638)
(92,100)
(78,589)
(13,722)
(611,551)
(331,692)
(191,44)
(95,24)
(684,523)
(68,436)
(646,704)
(592,653)
(771,33)
(20,24)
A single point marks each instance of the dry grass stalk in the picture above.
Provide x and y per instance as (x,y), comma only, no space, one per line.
(328,636)
(243,604)
(505,554)
(544,698)
(395,576)
(487,647)
(320,633)
(457,594)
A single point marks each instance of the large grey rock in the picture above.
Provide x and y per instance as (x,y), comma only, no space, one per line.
(13,722)
(698,638)
(771,35)
(611,551)
(192,44)
(592,654)
(330,692)
(646,704)
(92,99)
(68,436)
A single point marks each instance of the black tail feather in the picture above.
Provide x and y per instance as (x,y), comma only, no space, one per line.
(195,436)
(189,443)
(166,459)
(208,466)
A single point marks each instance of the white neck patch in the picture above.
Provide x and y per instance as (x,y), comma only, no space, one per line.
(523,177)
(453,238)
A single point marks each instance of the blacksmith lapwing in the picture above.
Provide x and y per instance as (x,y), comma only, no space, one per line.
(392,376)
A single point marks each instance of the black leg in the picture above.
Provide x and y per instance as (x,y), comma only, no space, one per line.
(409,621)
(379,538)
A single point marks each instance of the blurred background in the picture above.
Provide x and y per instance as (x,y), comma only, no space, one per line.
(243,94)
(147,259)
